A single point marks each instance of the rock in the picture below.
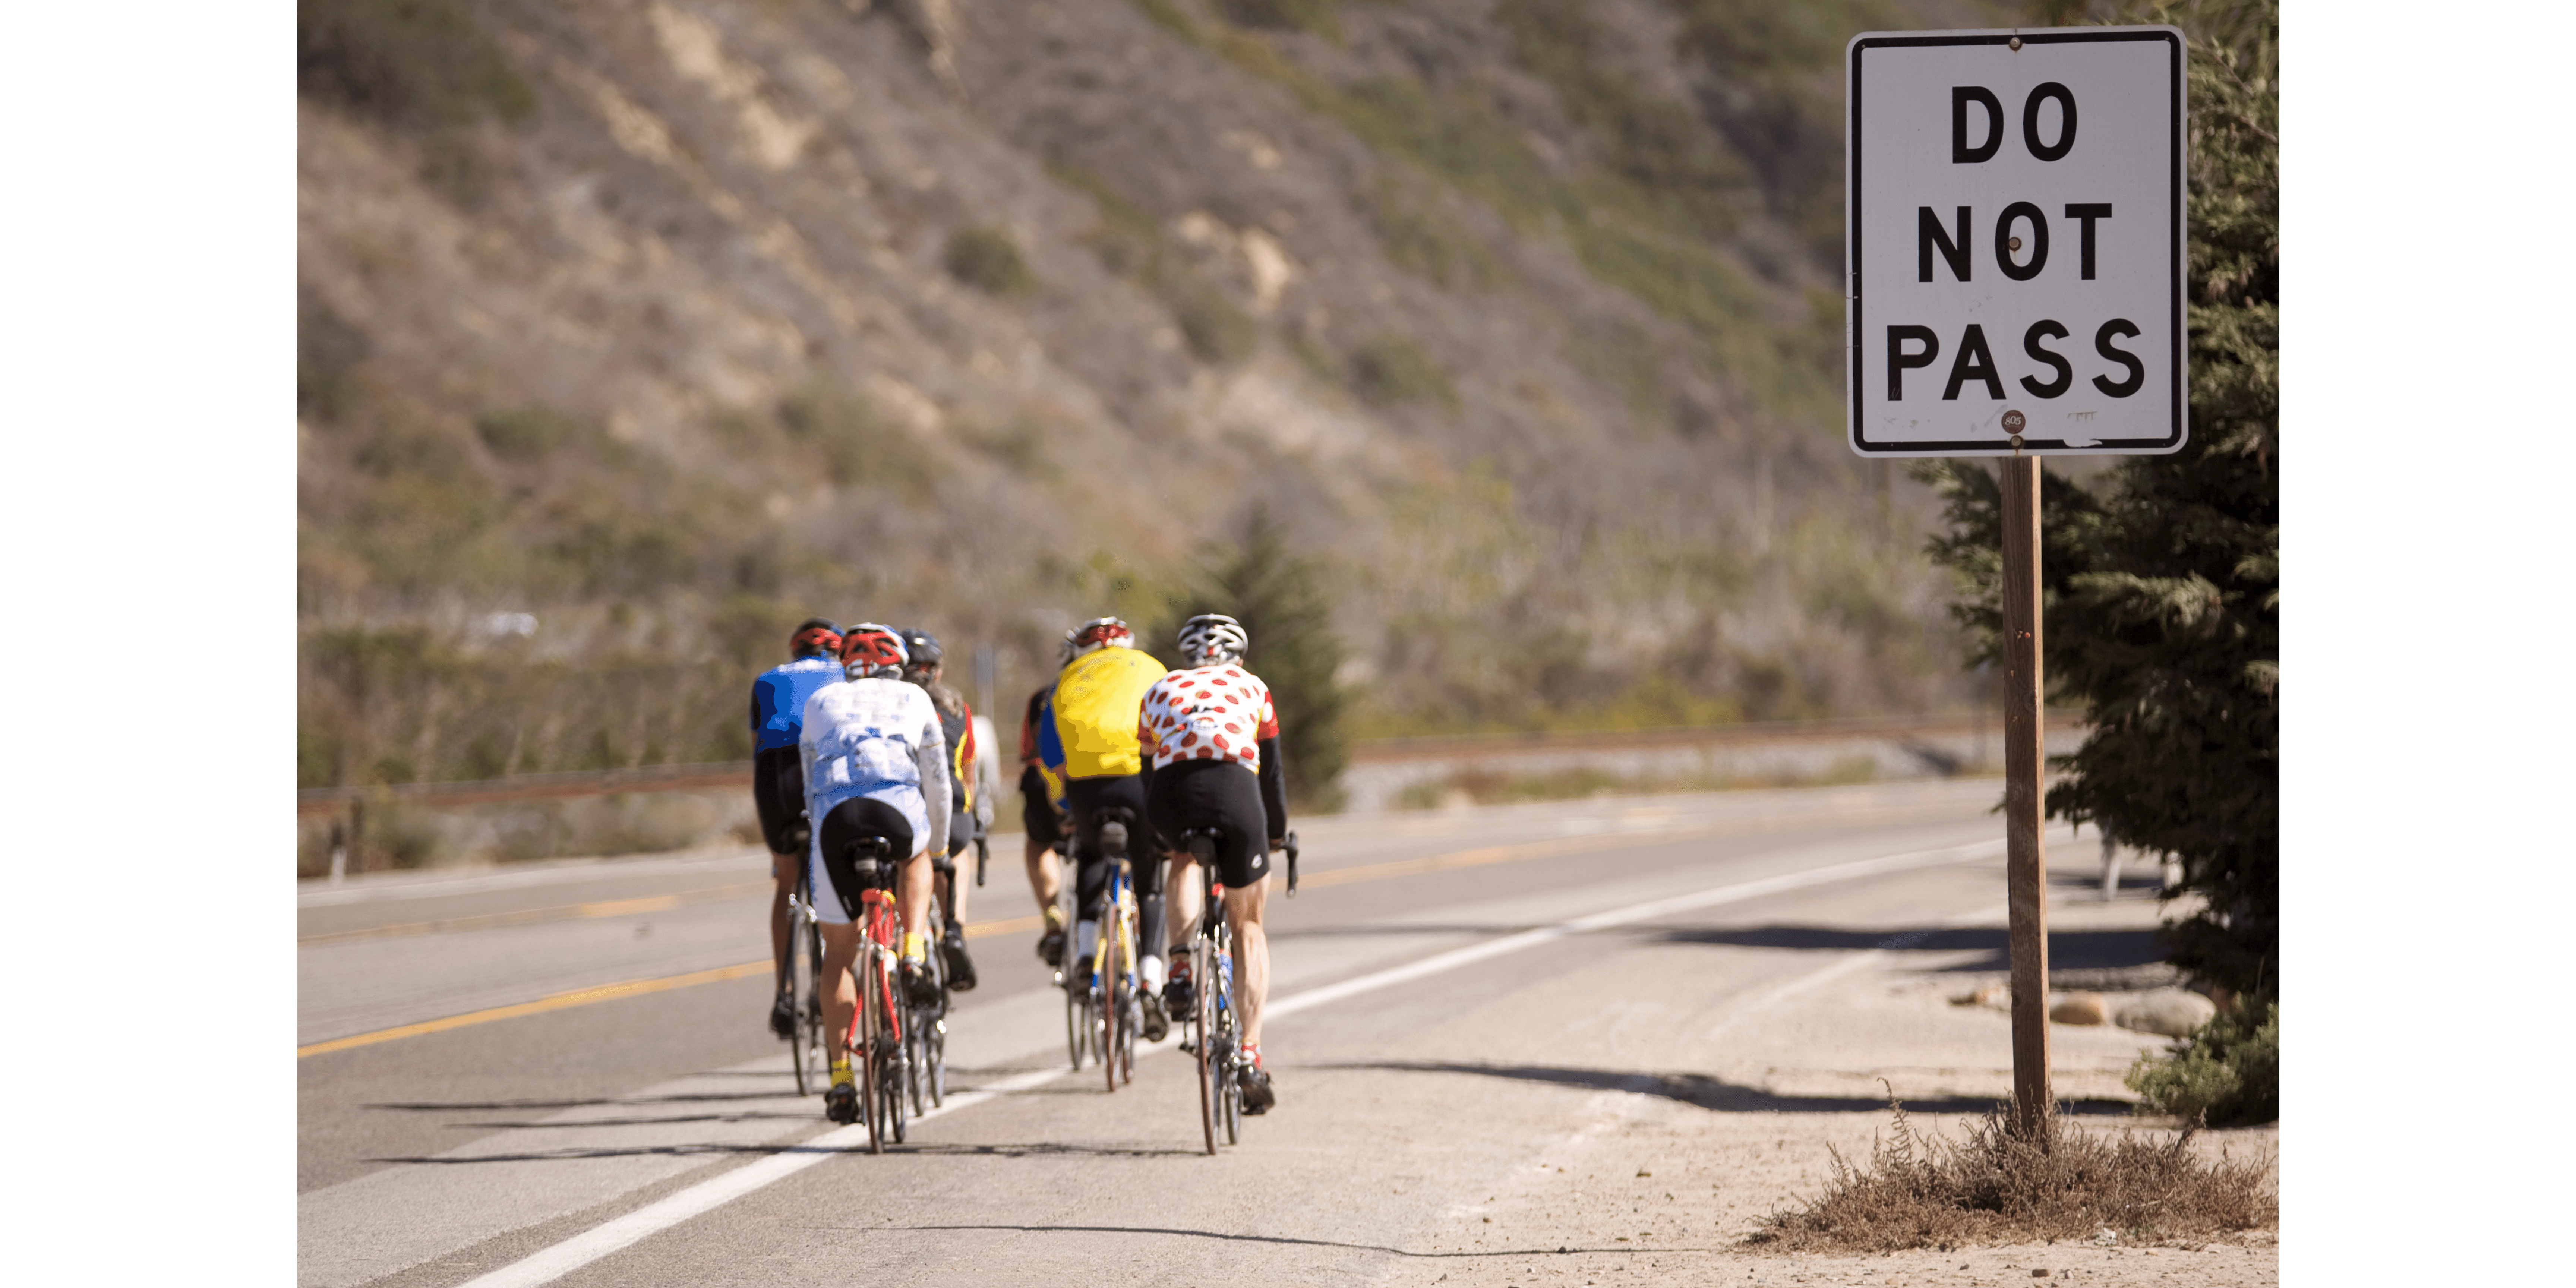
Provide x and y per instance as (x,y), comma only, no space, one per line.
(2080,1008)
(1997,995)
(2173,1012)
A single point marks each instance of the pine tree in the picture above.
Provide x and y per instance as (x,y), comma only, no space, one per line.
(2162,581)
(1277,595)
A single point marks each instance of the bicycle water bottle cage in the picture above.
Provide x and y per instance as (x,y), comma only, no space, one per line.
(872,861)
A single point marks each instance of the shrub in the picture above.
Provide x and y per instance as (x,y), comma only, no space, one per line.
(2229,1072)
(1999,1187)
(527,433)
(1390,370)
(420,63)
(988,260)
(327,350)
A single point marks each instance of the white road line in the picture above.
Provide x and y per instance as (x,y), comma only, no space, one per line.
(582,1249)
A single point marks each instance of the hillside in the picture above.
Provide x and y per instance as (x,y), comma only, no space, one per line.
(633,332)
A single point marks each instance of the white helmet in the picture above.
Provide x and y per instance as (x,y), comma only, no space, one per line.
(1097,634)
(1212,638)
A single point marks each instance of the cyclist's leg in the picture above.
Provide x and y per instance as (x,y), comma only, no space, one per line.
(951,933)
(1243,910)
(835,924)
(1046,876)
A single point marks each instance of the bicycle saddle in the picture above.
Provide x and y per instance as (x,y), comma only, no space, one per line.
(872,859)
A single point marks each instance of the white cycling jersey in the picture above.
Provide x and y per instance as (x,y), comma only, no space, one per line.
(878,738)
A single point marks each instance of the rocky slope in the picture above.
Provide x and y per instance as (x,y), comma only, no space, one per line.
(664,323)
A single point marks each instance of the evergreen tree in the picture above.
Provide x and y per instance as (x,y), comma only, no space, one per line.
(1276,594)
(2162,581)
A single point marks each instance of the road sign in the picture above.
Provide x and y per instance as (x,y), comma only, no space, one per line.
(2013,208)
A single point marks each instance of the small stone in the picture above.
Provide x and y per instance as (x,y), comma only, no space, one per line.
(2080,1008)
(2170,1012)
(2039,1274)
(1643,1172)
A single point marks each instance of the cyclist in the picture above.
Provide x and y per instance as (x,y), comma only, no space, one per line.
(1038,817)
(778,779)
(967,811)
(1090,748)
(1213,738)
(875,756)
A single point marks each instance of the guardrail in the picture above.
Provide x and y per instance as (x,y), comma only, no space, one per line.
(700,777)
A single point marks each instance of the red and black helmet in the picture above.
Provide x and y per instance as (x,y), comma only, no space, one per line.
(818,637)
(869,650)
(1098,633)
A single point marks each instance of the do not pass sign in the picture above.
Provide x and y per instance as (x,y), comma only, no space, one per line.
(2014,215)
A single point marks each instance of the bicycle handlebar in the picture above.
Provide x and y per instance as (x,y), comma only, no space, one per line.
(983,853)
(1291,847)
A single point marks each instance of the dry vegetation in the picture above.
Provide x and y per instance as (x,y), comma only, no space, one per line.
(2071,1186)
(667,325)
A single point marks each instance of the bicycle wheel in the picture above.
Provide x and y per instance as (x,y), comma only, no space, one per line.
(820,1042)
(938,1061)
(1230,1020)
(1203,1015)
(803,1044)
(1073,1023)
(1113,1024)
(870,1049)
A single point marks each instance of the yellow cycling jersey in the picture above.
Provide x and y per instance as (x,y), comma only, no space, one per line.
(1096,700)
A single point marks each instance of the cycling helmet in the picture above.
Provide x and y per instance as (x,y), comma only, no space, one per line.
(818,637)
(872,651)
(1211,638)
(921,650)
(1099,633)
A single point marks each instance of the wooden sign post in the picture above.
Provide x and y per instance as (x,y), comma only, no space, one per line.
(2025,847)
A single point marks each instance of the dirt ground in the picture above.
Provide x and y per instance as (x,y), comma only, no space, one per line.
(1661,1192)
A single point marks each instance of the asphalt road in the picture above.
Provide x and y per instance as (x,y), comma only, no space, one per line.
(449,1130)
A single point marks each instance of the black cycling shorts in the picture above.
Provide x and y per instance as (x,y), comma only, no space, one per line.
(1037,813)
(836,880)
(778,793)
(1219,794)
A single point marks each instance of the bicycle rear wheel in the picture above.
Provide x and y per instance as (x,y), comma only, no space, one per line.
(805,1046)
(1113,1024)
(1203,1015)
(1229,1020)
(871,1051)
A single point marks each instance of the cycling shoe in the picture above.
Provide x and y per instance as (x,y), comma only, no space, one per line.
(961,968)
(1258,1096)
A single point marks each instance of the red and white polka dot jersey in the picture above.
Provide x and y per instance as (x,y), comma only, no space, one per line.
(1211,713)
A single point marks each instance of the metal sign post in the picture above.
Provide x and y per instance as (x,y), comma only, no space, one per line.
(2014,225)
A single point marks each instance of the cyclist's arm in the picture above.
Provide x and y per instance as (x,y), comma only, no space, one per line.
(930,755)
(1274,788)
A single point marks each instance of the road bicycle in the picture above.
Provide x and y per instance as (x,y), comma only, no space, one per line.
(1104,1007)
(877,1025)
(1216,1036)
(925,1029)
(810,1047)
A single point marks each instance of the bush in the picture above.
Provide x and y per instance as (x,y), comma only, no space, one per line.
(420,63)
(988,260)
(2229,1072)
(1390,370)
(327,350)
(2065,1183)
(527,433)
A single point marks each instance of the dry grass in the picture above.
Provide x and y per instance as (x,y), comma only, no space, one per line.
(2072,1185)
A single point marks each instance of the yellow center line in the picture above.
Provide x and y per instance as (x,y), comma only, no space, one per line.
(554,1002)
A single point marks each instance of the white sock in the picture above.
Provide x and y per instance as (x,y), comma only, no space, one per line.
(1086,937)
(1151,969)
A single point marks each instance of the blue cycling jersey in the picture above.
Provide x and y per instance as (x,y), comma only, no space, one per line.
(778,700)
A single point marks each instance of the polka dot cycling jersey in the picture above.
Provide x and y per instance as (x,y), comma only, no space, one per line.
(1211,713)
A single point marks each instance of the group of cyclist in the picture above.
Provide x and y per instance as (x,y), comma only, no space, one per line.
(856,736)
